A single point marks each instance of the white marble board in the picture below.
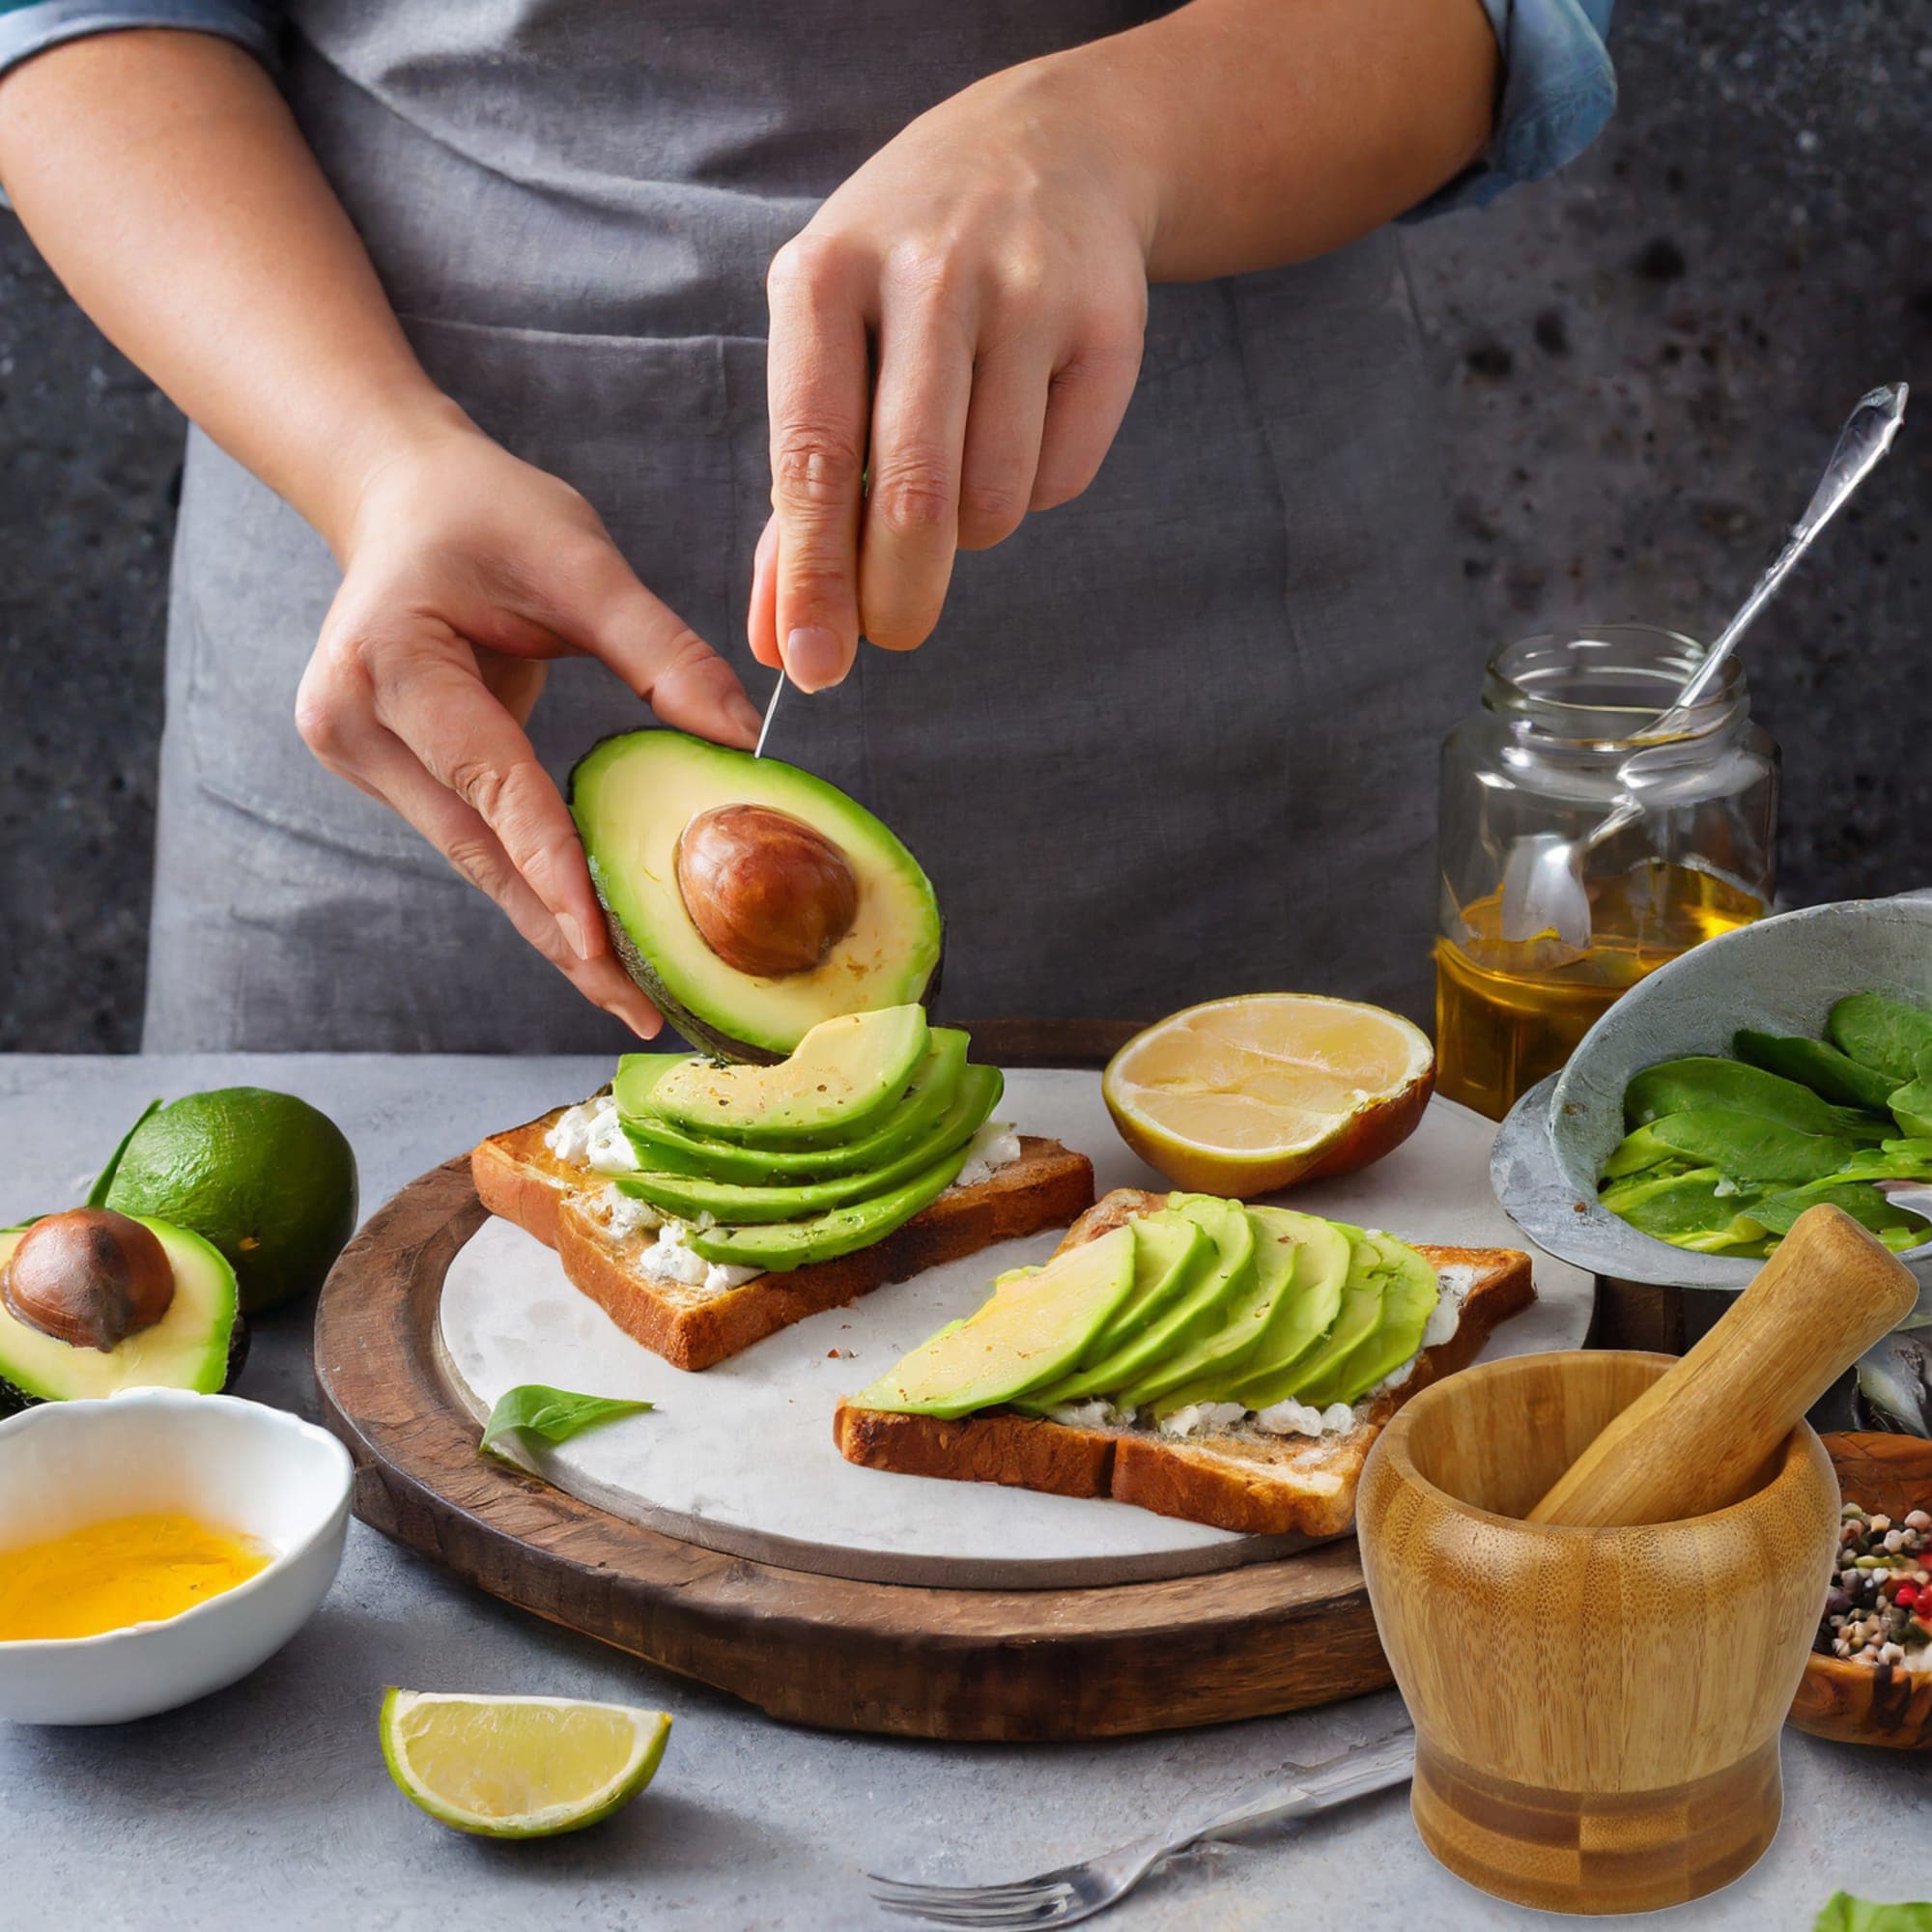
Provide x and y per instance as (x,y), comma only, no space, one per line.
(740,1457)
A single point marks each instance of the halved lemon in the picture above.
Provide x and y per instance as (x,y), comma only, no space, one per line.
(518,1767)
(1253,1093)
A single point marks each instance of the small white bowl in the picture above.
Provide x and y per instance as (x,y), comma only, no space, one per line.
(235,1464)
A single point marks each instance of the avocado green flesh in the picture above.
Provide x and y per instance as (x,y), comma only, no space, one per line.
(1169,1251)
(632,797)
(1245,1322)
(691,1199)
(841,1081)
(665,1149)
(1354,1322)
(1029,1332)
(1411,1292)
(781,1246)
(1301,1319)
(188,1348)
(1227,1277)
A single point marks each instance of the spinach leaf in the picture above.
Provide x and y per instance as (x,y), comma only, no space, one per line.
(1688,1211)
(1911,1104)
(1703,1080)
(555,1414)
(1749,1147)
(1642,1152)
(1881,1032)
(1829,1073)
(1860,1199)
(1843,1913)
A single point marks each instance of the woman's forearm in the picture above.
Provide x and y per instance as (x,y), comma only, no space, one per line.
(164,179)
(1265,131)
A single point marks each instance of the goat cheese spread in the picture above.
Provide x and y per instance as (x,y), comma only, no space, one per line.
(591,1132)
(625,1214)
(670,1259)
(1096,1413)
(995,1145)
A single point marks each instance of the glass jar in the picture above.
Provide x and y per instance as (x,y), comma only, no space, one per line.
(1559,714)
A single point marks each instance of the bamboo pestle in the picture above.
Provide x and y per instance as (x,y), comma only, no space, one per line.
(1693,1441)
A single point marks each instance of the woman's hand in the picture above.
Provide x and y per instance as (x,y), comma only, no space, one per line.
(994,257)
(466,571)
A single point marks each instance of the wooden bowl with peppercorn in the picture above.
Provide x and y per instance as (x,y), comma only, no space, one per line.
(1869,1682)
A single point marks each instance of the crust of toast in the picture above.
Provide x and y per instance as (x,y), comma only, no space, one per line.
(519,1179)
(1246,1480)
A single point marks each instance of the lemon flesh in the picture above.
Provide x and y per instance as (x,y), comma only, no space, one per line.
(518,1767)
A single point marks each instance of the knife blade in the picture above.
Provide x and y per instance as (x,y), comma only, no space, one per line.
(771,712)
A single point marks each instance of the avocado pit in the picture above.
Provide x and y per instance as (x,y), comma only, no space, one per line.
(768,894)
(89,1277)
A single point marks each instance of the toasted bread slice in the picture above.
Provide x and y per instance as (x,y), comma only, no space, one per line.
(1237,1478)
(563,1205)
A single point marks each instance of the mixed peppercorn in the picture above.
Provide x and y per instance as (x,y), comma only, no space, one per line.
(1879,1609)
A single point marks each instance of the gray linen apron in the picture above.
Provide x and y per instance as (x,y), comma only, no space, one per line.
(1173,740)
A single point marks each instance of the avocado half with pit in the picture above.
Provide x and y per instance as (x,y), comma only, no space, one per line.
(93,1301)
(749,899)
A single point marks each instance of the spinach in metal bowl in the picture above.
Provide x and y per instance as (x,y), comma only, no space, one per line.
(1722,1154)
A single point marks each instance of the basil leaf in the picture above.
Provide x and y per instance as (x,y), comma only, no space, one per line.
(1843,1913)
(555,1414)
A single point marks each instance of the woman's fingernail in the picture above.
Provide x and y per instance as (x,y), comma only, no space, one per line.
(572,929)
(813,657)
(744,714)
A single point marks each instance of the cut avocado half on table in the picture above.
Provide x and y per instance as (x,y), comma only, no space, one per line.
(845,1075)
(1026,1334)
(747,899)
(933,1088)
(1301,1319)
(737,1203)
(88,1309)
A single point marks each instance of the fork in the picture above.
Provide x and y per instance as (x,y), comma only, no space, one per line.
(1072,1893)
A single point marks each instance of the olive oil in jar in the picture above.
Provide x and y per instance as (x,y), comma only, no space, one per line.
(1508,1013)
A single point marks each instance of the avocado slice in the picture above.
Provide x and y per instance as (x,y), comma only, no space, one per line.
(1355,1321)
(1410,1294)
(844,1077)
(781,1245)
(1301,1318)
(1031,1330)
(691,1199)
(1170,1252)
(633,797)
(667,1149)
(1228,1276)
(1246,1322)
(194,1346)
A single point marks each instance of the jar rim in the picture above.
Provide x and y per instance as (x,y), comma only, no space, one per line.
(1602,684)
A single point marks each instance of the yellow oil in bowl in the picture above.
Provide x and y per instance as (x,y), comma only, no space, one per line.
(111,1575)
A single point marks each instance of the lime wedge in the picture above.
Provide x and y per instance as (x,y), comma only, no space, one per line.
(518,1767)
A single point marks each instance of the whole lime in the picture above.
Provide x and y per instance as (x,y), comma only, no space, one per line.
(265,1176)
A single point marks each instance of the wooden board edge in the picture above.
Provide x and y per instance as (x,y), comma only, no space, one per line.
(897,1658)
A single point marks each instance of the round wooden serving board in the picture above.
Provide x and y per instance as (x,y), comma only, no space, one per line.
(813,1649)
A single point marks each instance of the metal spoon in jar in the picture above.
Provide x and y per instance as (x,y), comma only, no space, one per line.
(1542,887)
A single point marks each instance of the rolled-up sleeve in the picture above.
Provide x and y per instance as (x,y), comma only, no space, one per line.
(29,27)
(1558,90)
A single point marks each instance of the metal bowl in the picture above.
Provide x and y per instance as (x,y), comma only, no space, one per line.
(1780,975)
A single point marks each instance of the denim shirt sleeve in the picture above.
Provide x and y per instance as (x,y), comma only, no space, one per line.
(29,27)
(1558,90)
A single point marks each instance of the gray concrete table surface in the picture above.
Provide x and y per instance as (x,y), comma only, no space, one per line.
(268,1803)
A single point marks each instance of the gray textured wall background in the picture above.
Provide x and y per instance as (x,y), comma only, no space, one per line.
(1641,366)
